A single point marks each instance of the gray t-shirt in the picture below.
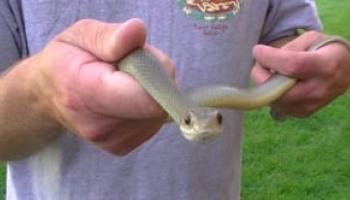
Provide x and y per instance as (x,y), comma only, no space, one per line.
(210,42)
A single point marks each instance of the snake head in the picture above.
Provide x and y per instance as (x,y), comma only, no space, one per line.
(202,125)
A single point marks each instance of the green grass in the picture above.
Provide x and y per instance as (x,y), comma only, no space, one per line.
(335,16)
(2,182)
(301,159)
(298,159)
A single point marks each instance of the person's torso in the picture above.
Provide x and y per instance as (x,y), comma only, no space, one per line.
(210,42)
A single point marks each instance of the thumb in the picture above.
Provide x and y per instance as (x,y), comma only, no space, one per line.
(107,41)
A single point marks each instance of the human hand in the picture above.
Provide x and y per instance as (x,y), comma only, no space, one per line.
(322,74)
(78,87)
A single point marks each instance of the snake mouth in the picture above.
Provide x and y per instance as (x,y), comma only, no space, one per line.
(201,126)
(201,137)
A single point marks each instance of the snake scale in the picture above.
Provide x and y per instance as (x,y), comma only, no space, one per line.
(196,114)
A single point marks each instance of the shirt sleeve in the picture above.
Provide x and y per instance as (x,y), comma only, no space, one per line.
(12,43)
(285,16)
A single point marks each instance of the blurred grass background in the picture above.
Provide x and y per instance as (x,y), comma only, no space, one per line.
(302,159)
(298,159)
(2,181)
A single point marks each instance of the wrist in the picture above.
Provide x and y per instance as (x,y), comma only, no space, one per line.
(25,124)
(38,95)
(28,93)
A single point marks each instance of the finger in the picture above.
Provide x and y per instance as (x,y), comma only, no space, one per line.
(300,44)
(300,110)
(305,98)
(309,90)
(259,74)
(164,60)
(119,94)
(304,41)
(295,64)
(107,41)
(145,104)
(116,94)
(128,136)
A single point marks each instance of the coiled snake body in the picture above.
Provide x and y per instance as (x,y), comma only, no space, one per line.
(196,113)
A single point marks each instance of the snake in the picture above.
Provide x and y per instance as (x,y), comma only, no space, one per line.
(197,114)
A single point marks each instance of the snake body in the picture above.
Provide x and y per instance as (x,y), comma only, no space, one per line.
(191,112)
(192,118)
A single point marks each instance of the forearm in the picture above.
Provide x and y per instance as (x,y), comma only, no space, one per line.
(25,125)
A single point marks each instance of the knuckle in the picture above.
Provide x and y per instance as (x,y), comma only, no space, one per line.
(313,35)
(68,100)
(306,112)
(170,69)
(153,110)
(299,110)
(330,74)
(118,150)
(76,30)
(292,67)
(117,147)
(331,69)
(80,27)
(99,39)
(94,135)
(91,132)
(84,23)
(320,94)
(297,64)
(121,147)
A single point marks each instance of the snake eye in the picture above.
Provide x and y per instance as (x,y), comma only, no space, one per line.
(219,118)
(188,119)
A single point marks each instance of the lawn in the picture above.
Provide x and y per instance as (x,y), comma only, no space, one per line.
(298,159)
(2,183)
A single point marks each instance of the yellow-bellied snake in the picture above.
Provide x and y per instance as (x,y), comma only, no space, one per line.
(196,113)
